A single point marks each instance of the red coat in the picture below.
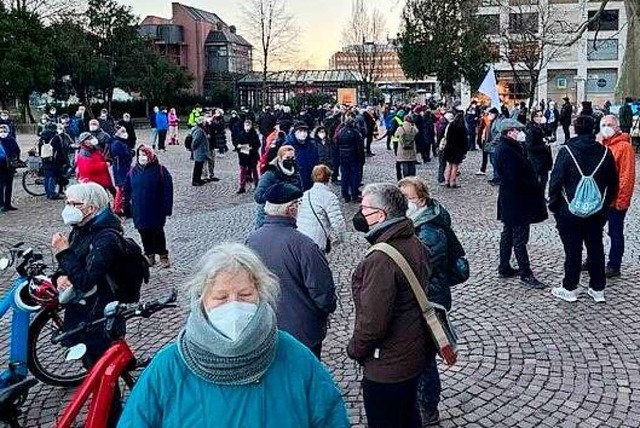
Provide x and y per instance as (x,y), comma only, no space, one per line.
(93,166)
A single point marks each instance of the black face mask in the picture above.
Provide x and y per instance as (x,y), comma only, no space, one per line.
(360,222)
(289,163)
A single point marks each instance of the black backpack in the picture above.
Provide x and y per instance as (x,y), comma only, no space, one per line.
(458,265)
(132,271)
(188,140)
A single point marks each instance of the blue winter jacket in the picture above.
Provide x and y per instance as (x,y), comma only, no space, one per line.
(308,294)
(162,121)
(295,392)
(148,195)
(121,159)
(273,175)
(306,158)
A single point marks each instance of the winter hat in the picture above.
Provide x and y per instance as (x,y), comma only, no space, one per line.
(509,124)
(282,193)
(121,132)
(494,110)
(147,150)
(300,126)
(85,139)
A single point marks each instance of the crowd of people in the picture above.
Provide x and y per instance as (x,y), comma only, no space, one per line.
(260,311)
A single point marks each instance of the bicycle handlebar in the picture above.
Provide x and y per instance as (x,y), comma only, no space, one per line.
(123,311)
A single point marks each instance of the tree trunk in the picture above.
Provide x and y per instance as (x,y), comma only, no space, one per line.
(629,83)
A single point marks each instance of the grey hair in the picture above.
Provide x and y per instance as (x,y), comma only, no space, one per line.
(90,194)
(387,197)
(233,257)
(277,209)
(614,119)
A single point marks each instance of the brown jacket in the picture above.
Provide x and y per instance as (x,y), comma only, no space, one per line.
(390,337)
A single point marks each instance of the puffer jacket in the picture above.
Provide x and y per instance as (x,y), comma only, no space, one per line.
(350,144)
(273,175)
(390,337)
(624,155)
(429,223)
(328,211)
(91,165)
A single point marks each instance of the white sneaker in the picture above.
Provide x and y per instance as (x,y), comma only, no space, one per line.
(597,296)
(566,295)
(481,173)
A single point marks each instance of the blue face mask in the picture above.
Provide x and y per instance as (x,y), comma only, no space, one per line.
(232,318)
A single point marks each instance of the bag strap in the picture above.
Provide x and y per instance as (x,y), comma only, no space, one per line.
(326,235)
(606,150)
(425,306)
(575,161)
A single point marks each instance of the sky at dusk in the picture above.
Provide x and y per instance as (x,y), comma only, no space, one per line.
(320,21)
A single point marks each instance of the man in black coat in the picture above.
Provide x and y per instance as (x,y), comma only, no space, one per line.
(370,121)
(352,153)
(267,122)
(576,231)
(520,202)
(626,115)
(565,118)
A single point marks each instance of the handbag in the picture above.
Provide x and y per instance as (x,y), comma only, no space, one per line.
(440,326)
(327,247)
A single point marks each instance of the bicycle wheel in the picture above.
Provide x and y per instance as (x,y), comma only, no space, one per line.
(47,362)
(33,182)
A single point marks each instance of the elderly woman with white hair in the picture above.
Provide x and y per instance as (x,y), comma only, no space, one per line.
(92,252)
(230,366)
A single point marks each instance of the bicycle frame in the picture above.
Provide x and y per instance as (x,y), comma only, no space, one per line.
(100,385)
(19,337)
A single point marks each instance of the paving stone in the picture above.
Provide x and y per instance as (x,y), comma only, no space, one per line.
(525,359)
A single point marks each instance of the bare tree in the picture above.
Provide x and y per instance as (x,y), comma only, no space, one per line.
(364,43)
(48,10)
(271,28)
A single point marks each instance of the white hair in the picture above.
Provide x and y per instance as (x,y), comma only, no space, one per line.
(277,209)
(233,257)
(89,193)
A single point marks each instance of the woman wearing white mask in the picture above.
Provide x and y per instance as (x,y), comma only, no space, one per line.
(148,198)
(230,366)
(85,258)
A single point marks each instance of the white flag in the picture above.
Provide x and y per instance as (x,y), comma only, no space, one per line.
(490,88)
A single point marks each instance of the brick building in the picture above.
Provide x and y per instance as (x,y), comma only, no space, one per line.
(203,43)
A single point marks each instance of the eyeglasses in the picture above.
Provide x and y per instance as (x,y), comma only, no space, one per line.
(74,204)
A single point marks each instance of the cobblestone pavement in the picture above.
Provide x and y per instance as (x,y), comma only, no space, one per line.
(526,359)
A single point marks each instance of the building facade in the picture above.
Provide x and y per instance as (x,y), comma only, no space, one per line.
(381,64)
(203,43)
(587,70)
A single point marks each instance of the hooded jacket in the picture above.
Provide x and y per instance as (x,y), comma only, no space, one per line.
(390,337)
(92,166)
(306,158)
(625,158)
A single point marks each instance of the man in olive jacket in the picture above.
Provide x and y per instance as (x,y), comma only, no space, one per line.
(390,337)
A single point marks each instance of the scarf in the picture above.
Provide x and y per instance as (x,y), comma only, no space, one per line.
(216,359)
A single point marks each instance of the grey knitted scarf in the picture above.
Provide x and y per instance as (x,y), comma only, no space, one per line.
(214,358)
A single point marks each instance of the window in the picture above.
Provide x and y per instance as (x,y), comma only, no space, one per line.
(492,23)
(524,52)
(608,20)
(523,23)
(490,3)
(522,2)
(602,50)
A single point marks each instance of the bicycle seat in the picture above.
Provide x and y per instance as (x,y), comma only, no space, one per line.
(11,394)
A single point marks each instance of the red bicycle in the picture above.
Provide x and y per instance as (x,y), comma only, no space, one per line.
(117,362)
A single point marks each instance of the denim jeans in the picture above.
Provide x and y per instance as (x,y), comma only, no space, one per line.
(408,169)
(50,185)
(442,165)
(492,159)
(616,233)
(350,176)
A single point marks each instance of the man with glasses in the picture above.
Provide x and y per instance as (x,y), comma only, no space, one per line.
(390,338)
(308,294)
